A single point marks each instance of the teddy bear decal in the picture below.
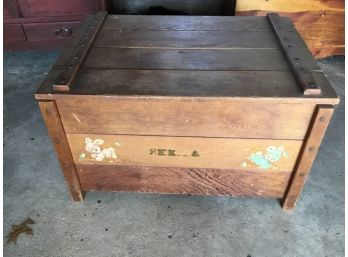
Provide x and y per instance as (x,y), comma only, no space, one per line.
(266,160)
(96,152)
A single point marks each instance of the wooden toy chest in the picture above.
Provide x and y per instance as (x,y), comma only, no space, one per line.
(189,105)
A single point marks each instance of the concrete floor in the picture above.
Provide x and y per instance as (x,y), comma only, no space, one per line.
(130,224)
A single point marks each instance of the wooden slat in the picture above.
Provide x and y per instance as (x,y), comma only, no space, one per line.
(186,83)
(77,57)
(56,132)
(70,45)
(316,131)
(186,39)
(215,153)
(184,117)
(185,23)
(78,34)
(263,87)
(303,74)
(183,181)
(174,59)
(193,83)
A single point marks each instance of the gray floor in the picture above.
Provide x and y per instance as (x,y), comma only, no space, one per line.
(129,224)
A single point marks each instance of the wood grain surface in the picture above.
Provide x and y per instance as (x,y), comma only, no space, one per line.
(316,131)
(183,181)
(186,39)
(185,59)
(320,22)
(189,105)
(185,23)
(216,153)
(58,137)
(184,117)
(220,85)
(186,83)
(289,5)
(302,73)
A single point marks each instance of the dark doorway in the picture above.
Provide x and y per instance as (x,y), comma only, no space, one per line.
(174,7)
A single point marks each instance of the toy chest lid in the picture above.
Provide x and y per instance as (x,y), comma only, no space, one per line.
(187,56)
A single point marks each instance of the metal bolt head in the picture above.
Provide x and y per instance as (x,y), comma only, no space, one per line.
(311,149)
(302,174)
(322,119)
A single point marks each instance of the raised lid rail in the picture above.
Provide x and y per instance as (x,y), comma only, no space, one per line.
(77,57)
(303,75)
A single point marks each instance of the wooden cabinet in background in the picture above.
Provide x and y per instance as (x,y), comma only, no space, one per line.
(319,22)
(36,24)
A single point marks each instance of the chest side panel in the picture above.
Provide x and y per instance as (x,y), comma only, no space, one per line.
(190,152)
(183,180)
(190,117)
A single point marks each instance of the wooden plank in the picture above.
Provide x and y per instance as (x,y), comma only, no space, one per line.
(321,119)
(78,34)
(186,39)
(289,5)
(186,83)
(271,84)
(184,117)
(185,23)
(303,75)
(189,152)
(74,62)
(56,132)
(263,87)
(183,181)
(175,59)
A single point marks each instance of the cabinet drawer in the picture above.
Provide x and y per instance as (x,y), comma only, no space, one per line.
(185,152)
(50,31)
(10,9)
(13,32)
(36,8)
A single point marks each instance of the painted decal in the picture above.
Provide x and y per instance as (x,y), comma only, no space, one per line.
(266,160)
(171,152)
(96,152)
